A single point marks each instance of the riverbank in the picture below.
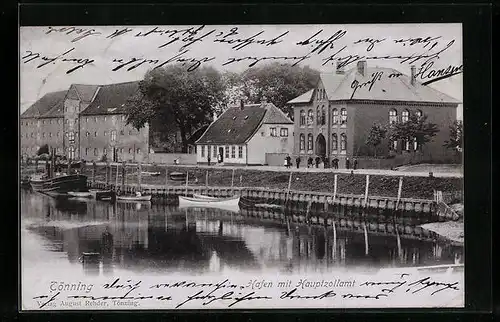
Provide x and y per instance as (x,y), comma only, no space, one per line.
(453,230)
(379,185)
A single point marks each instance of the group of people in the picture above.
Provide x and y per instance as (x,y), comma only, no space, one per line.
(311,163)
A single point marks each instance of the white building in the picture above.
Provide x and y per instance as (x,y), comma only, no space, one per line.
(245,134)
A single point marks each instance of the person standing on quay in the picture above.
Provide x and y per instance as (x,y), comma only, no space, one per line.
(297,162)
(208,159)
(347,163)
(355,165)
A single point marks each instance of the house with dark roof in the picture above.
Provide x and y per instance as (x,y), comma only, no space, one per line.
(244,134)
(334,119)
(85,122)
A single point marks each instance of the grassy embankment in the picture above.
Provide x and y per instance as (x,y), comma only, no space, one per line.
(380,185)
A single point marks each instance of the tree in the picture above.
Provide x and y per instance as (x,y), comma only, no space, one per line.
(278,83)
(376,136)
(415,129)
(175,96)
(456,136)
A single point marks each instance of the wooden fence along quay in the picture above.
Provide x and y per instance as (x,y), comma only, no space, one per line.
(293,200)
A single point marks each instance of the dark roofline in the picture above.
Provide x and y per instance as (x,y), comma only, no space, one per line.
(390,102)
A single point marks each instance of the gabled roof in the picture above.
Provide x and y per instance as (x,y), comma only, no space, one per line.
(111,99)
(390,86)
(236,125)
(82,92)
(304,98)
(56,111)
(44,104)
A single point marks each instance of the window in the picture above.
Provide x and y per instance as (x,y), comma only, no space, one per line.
(43,134)
(419,113)
(209,150)
(104,151)
(121,132)
(95,119)
(87,133)
(415,144)
(123,117)
(393,116)
(233,152)
(335,142)
(105,133)
(87,119)
(302,117)
(302,142)
(406,144)
(323,115)
(86,151)
(57,134)
(67,121)
(121,150)
(343,142)
(129,151)
(318,116)
(309,142)
(59,121)
(240,152)
(343,116)
(71,136)
(310,117)
(43,121)
(335,116)
(113,135)
(50,134)
(96,151)
(202,151)
(105,118)
(274,132)
(283,131)
(95,134)
(215,151)
(71,152)
(227,152)
(138,151)
(130,132)
(405,116)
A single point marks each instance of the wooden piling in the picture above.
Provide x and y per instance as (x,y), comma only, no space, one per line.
(123,176)
(116,179)
(232,179)
(366,189)
(366,238)
(187,181)
(288,189)
(206,179)
(107,175)
(334,187)
(166,176)
(93,173)
(400,189)
(139,176)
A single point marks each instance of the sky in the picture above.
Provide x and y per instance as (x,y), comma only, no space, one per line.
(65,48)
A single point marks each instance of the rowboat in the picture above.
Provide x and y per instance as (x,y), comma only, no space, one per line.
(231,202)
(177,176)
(101,194)
(134,198)
(80,194)
(197,196)
(149,173)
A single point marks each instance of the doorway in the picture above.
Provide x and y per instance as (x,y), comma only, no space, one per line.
(221,155)
(321,145)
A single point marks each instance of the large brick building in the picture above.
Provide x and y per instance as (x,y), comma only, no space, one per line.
(334,119)
(85,122)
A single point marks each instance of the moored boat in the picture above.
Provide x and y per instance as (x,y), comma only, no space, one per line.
(137,197)
(80,194)
(101,194)
(177,176)
(211,201)
(195,195)
(59,184)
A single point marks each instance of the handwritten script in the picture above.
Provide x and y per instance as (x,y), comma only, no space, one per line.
(179,294)
(234,45)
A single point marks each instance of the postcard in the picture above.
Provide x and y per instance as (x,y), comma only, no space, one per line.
(176,167)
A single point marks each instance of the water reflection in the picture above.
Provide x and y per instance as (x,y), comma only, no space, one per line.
(157,238)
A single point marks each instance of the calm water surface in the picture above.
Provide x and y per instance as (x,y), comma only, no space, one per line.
(156,239)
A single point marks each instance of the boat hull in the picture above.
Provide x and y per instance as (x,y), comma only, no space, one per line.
(231,204)
(133,198)
(60,185)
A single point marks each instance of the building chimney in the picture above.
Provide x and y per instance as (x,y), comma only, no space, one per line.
(413,73)
(242,105)
(339,70)
(362,67)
